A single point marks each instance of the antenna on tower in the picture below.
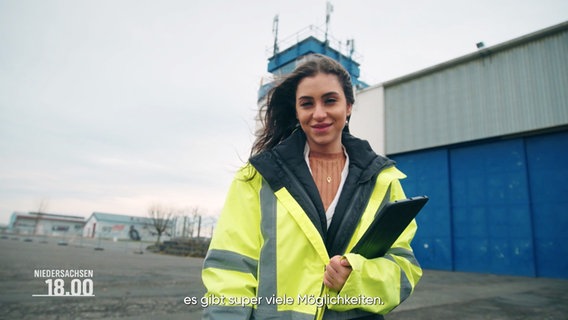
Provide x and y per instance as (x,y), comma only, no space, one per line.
(328,11)
(275,33)
(351,47)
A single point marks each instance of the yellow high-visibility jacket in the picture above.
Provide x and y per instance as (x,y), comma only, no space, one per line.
(271,244)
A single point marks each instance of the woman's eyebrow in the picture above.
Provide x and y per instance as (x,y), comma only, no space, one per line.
(325,95)
(331,93)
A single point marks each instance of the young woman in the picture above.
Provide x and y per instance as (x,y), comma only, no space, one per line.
(293,212)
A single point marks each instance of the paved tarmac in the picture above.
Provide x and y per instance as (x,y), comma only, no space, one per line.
(128,284)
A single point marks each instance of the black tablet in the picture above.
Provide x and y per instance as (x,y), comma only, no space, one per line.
(388,225)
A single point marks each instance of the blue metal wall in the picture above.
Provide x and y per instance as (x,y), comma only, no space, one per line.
(547,158)
(428,175)
(496,207)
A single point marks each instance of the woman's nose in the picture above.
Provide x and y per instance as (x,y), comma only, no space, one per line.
(319,112)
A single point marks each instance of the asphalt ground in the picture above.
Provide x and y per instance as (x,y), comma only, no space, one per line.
(131,283)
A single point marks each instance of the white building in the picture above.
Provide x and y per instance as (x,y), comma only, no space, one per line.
(121,227)
(46,224)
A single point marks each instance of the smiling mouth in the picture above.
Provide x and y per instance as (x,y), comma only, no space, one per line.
(321,126)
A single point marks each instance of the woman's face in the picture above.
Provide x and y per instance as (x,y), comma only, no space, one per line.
(322,110)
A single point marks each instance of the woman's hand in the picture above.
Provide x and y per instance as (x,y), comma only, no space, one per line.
(336,273)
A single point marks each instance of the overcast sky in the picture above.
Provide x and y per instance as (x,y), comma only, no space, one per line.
(114,105)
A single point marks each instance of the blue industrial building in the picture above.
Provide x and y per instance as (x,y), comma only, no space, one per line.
(487,139)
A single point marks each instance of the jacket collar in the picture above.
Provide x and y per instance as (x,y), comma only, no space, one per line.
(284,166)
(361,155)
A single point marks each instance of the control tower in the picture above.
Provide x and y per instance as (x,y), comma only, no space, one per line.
(290,52)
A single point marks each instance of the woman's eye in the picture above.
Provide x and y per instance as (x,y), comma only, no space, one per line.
(330,101)
(305,104)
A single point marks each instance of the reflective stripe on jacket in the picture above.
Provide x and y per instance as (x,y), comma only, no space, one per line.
(270,247)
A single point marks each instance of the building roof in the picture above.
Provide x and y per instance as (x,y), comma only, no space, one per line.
(481,53)
(118,218)
(46,216)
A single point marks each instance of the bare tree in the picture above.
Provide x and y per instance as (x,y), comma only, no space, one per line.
(42,208)
(195,217)
(160,219)
(190,217)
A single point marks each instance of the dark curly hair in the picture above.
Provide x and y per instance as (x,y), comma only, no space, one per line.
(278,115)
